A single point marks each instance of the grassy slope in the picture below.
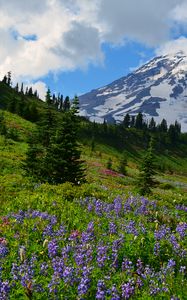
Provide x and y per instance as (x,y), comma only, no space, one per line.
(14,183)
(20,193)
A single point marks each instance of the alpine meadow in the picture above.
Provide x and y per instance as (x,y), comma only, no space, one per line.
(93,150)
(89,211)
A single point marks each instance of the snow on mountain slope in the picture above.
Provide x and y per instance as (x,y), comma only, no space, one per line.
(157,89)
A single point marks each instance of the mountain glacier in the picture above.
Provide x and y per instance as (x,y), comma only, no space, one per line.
(157,89)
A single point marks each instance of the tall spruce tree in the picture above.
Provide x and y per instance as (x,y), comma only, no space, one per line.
(63,155)
(54,155)
(146,179)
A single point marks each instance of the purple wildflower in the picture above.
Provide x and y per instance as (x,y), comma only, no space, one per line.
(53,248)
(101,290)
(182,229)
(115,294)
(4,290)
(127,289)
(101,255)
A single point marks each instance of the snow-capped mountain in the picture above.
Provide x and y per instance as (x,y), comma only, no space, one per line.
(157,89)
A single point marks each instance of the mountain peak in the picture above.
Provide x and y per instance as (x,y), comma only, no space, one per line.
(157,89)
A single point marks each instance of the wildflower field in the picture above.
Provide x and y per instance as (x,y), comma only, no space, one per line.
(117,248)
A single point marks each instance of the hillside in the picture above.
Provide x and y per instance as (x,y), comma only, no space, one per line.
(98,238)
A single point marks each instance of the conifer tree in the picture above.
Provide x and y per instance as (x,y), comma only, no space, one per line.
(139,121)
(9,79)
(48,97)
(66,104)
(22,91)
(63,155)
(147,171)
(33,163)
(126,121)
(123,164)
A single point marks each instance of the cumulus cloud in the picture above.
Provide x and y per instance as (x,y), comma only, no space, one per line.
(59,35)
(38,86)
(173,46)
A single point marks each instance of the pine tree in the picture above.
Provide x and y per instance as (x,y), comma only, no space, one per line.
(152,125)
(63,155)
(66,104)
(126,121)
(123,164)
(147,171)
(22,90)
(9,79)
(33,163)
(48,97)
(139,121)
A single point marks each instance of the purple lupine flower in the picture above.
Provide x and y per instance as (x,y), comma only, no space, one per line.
(154,288)
(15,272)
(53,248)
(19,216)
(98,207)
(140,267)
(87,236)
(68,275)
(117,205)
(162,232)
(58,266)
(174,242)
(115,247)
(53,285)
(171,264)
(53,220)
(60,232)
(127,289)
(182,269)
(156,248)
(83,286)
(4,290)
(3,250)
(48,231)
(127,266)
(114,293)
(181,207)
(44,269)
(139,283)
(131,228)
(182,229)
(101,255)
(79,255)
(112,228)
(101,290)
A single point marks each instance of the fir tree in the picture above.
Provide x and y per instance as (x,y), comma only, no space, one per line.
(48,97)
(126,121)
(9,79)
(33,163)
(63,155)
(147,171)
(66,104)
(123,164)
(139,121)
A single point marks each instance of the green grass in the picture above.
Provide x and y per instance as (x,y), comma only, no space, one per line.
(75,207)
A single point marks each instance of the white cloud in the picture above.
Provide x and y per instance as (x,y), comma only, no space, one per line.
(40,86)
(173,46)
(68,34)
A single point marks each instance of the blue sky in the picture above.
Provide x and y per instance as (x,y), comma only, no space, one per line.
(118,62)
(73,46)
